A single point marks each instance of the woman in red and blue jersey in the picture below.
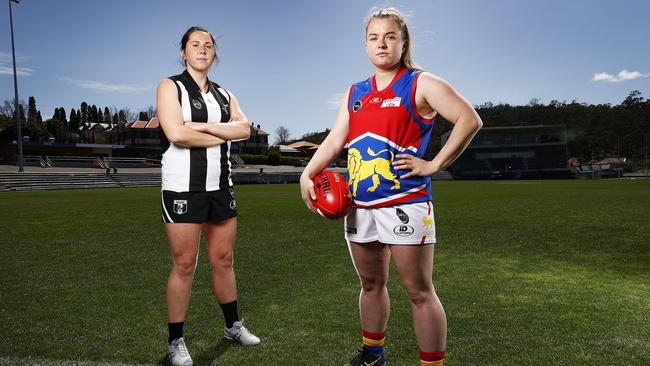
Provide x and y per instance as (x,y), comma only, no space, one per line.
(386,122)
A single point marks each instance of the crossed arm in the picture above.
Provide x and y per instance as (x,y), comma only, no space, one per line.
(193,134)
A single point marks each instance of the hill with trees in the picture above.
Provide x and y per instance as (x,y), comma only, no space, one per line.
(594,132)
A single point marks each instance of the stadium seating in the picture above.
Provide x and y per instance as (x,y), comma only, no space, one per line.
(50,181)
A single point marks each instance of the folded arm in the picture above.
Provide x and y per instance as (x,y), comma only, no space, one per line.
(170,117)
(237,129)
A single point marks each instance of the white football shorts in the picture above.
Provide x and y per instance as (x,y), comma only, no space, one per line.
(406,224)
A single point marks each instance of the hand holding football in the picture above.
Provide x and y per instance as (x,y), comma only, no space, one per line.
(333,199)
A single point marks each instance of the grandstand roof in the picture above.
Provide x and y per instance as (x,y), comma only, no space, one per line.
(95,126)
(521,127)
(303,145)
(612,161)
(152,123)
(288,149)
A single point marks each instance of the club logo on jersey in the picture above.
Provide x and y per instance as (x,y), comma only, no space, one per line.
(361,169)
(180,207)
(375,100)
(233,205)
(427,221)
(197,104)
(403,217)
(403,230)
(395,102)
(356,106)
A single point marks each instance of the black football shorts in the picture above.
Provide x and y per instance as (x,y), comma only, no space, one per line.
(198,207)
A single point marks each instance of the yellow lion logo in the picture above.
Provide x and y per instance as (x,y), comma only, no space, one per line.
(360,169)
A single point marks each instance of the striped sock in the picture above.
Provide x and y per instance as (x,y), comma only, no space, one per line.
(374,342)
(432,358)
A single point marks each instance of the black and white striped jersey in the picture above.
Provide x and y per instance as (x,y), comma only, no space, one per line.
(198,169)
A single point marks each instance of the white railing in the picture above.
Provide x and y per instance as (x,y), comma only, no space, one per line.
(77,161)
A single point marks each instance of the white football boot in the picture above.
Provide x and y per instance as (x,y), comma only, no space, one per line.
(239,333)
(178,354)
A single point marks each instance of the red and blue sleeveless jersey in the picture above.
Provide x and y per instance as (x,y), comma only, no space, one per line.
(384,123)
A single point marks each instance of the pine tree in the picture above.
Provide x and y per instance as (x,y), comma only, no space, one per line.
(62,116)
(107,115)
(74,120)
(83,114)
(31,110)
(93,114)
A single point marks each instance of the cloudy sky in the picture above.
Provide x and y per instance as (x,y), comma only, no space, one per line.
(288,62)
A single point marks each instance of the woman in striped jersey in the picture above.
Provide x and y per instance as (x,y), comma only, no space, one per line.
(199,119)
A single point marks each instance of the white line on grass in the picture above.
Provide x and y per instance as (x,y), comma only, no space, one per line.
(40,362)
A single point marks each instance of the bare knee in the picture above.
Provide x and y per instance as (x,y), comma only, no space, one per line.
(222,262)
(184,267)
(420,294)
(372,285)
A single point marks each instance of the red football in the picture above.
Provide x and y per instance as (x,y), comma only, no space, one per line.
(333,199)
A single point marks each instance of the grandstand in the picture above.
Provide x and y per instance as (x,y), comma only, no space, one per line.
(517,152)
(32,181)
(48,161)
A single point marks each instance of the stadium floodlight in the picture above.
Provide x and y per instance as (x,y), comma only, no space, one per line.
(19,138)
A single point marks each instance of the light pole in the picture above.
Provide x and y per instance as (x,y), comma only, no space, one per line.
(19,138)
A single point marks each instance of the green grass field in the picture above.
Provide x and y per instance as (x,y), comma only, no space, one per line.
(530,273)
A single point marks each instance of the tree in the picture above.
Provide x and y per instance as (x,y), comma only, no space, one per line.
(131,115)
(151,111)
(122,116)
(107,116)
(93,116)
(143,116)
(32,112)
(51,125)
(62,116)
(127,115)
(633,99)
(83,114)
(283,135)
(21,110)
(534,102)
(8,109)
(74,120)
